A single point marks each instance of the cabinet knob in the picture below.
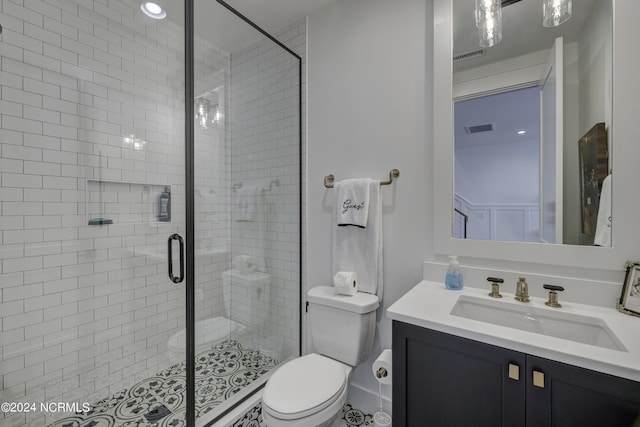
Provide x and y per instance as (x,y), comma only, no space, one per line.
(514,371)
(538,379)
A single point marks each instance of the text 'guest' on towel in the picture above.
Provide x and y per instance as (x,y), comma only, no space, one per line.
(352,207)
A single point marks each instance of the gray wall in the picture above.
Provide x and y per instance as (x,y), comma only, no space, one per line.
(369,110)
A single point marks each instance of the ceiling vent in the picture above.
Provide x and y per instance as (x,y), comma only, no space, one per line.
(468,55)
(479,128)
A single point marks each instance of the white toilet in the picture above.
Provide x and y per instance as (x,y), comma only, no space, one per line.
(310,391)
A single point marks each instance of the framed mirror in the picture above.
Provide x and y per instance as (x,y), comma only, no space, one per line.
(454,84)
(520,110)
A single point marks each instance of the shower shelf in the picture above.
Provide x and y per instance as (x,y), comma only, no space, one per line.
(113,181)
(119,194)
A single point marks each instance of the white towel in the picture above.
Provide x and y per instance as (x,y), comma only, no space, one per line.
(244,202)
(360,249)
(603,225)
(352,206)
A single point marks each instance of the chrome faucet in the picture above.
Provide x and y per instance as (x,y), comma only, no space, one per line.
(522,290)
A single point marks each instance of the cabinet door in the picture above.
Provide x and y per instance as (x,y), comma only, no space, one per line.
(567,396)
(441,380)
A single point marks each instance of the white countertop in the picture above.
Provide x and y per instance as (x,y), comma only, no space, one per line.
(429,305)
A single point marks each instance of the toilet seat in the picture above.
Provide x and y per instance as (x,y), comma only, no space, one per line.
(304,386)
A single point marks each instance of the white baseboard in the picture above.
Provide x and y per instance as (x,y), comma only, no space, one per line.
(367,400)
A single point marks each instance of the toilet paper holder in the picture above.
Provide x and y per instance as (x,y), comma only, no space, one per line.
(382,368)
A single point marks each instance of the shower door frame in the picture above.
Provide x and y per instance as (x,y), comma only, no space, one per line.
(189,146)
(190,413)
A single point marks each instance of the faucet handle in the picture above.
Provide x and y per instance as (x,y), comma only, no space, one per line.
(495,286)
(522,290)
(553,295)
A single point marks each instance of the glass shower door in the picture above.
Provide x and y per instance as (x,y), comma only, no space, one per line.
(246,207)
(93,185)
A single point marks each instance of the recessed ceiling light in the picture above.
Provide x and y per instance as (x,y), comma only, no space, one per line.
(522,132)
(153,10)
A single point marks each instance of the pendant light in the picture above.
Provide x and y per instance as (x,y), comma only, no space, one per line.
(489,22)
(556,12)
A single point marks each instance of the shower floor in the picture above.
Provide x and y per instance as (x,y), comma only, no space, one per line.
(160,400)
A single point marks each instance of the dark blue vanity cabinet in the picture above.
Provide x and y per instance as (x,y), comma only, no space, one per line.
(442,380)
(576,397)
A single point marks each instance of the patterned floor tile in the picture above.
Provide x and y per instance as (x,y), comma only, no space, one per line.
(160,400)
(351,417)
(354,417)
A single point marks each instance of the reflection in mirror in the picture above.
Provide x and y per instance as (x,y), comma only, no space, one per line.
(532,130)
(497,166)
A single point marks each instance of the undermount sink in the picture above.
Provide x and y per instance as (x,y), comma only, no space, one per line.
(568,326)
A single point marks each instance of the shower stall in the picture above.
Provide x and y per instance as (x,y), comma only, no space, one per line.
(150,196)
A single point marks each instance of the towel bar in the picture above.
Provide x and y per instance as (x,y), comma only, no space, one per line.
(394,173)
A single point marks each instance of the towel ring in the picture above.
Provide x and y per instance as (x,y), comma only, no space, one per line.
(394,173)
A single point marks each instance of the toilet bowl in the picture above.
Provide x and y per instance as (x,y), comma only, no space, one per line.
(288,402)
(309,391)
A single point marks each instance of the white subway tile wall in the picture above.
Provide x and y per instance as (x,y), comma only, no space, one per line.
(92,125)
(265,126)
(294,36)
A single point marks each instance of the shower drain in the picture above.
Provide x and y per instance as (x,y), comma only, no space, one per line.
(157,413)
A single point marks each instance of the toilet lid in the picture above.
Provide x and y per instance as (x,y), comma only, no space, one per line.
(304,386)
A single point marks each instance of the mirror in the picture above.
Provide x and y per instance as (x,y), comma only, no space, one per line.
(532,124)
(624,154)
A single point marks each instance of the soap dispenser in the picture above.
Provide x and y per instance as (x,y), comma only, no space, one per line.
(164,205)
(454,280)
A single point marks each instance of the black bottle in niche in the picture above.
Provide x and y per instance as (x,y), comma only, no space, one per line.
(164,205)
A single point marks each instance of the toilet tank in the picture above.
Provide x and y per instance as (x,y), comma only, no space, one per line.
(342,326)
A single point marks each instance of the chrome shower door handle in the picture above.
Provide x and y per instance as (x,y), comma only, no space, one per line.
(173,278)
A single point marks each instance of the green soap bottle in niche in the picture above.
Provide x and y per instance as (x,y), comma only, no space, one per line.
(164,206)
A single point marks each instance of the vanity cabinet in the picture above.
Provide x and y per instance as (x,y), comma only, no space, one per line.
(443,380)
(569,396)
